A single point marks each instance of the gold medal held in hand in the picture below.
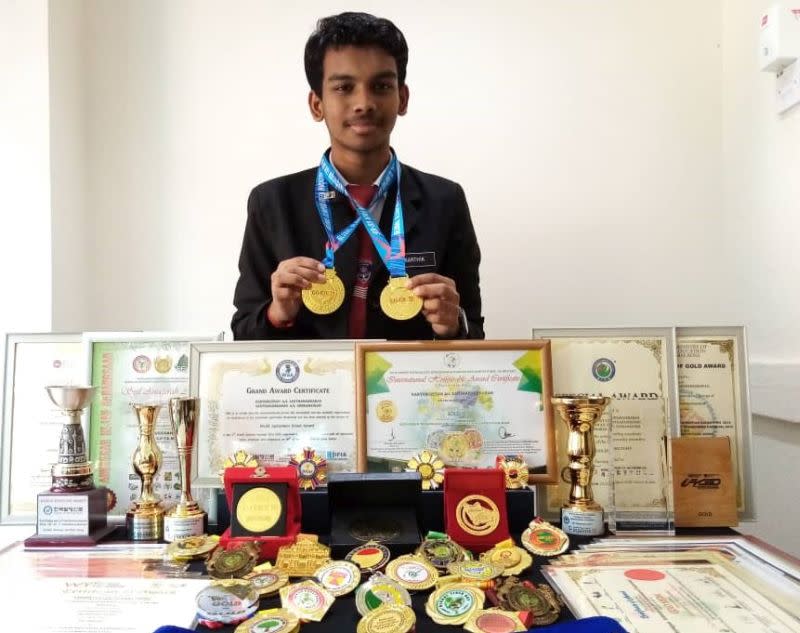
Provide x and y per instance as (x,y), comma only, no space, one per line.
(398,302)
(326,297)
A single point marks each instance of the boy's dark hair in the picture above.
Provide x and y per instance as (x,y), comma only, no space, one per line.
(353,29)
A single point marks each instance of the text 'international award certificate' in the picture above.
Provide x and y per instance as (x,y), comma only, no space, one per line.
(124,373)
(466,405)
(711,396)
(272,400)
(637,373)
(33,422)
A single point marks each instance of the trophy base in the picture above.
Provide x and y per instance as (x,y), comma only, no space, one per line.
(583,521)
(177,526)
(145,523)
(70,519)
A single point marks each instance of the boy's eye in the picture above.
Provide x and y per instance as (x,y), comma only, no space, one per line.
(342,87)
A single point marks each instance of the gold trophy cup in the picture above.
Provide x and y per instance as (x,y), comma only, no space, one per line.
(581,515)
(187,517)
(145,518)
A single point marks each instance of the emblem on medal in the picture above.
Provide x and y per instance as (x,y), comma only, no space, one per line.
(398,302)
(327,297)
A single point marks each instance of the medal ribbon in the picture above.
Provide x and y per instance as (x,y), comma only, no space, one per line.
(393,254)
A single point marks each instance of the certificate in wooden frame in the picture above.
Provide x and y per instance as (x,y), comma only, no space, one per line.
(142,368)
(714,396)
(270,400)
(636,368)
(31,423)
(467,401)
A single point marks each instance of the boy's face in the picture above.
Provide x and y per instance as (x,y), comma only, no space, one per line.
(360,98)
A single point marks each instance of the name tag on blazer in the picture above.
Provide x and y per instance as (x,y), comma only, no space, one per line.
(420,260)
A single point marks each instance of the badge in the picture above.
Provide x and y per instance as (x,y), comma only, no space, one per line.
(388,617)
(370,557)
(307,600)
(270,621)
(234,562)
(312,470)
(268,581)
(191,547)
(378,529)
(513,559)
(304,557)
(326,297)
(339,577)
(543,606)
(379,590)
(515,469)
(412,572)
(398,302)
(227,601)
(494,621)
(543,539)
(440,551)
(430,468)
(475,571)
(452,605)
(477,515)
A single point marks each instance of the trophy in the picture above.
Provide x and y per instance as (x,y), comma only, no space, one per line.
(73,511)
(145,518)
(186,518)
(581,515)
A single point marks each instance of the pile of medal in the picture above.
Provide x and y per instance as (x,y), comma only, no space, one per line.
(461,585)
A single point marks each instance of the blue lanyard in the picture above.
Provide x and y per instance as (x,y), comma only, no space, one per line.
(392,253)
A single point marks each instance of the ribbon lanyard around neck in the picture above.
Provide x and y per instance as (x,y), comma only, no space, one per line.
(392,253)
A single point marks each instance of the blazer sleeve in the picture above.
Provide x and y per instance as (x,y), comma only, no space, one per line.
(257,261)
(463,262)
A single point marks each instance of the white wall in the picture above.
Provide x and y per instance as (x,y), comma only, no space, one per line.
(761,198)
(25,278)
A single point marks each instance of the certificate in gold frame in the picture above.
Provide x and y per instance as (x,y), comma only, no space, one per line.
(467,401)
(31,424)
(636,368)
(713,392)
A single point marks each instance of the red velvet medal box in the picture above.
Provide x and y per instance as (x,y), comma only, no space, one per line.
(473,499)
(251,477)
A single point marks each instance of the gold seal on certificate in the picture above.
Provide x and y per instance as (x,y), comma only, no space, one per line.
(326,297)
(398,302)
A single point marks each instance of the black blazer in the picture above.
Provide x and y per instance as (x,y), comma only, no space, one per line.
(282,222)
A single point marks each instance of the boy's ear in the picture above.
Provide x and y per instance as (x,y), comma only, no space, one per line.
(315,106)
(404,94)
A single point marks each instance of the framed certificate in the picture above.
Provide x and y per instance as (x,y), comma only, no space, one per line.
(466,401)
(270,400)
(714,397)
(128,368)
(31,422)
(636,368)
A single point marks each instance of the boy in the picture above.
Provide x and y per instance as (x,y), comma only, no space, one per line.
(341,251)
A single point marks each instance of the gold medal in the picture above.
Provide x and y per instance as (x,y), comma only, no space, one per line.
(304,557)
(258,510)
(307,600)
(412,572)
(454,604)
(326,297)
(268,581)
(515,469)
(312,469)
(543,539)
(494,621)
(430,468)
(339,577)
(191,547)
(234,562)
(398,302)
(513,559)
(396,618)
(477,515)
(271,620)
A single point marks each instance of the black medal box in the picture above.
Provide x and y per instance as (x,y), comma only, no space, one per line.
(317,512)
